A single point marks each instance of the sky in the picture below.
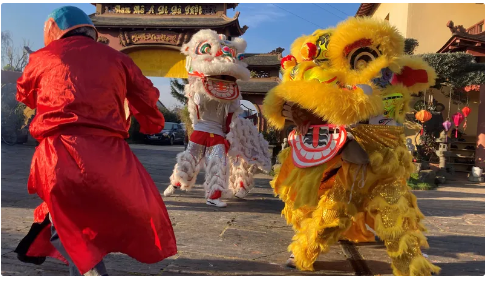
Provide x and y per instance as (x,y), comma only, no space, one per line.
(270,26)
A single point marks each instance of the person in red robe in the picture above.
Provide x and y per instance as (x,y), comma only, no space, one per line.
(97,197)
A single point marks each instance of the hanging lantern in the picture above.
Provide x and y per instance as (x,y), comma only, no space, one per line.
(466,110)
(457,118)
(423,116)
(447,125)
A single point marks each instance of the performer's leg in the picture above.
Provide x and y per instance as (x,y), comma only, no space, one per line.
(324,228)
(187,168)
(241,178)
(216,175)
(398,223)
(98,270)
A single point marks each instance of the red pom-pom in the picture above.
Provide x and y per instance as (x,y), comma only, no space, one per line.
(309,51)
(288,61)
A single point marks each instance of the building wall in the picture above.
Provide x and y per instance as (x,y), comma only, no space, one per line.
(427,22)
(397,12)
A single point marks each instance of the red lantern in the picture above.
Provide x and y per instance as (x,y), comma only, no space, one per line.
(457,118)
(423,116)
(466,110)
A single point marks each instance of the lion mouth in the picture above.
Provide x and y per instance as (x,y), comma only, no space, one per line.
(222,87)
(314,141)
(319,145)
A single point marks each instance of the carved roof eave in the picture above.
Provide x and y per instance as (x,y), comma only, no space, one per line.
(200,22)
(458,36)
(366,9)
(242,29)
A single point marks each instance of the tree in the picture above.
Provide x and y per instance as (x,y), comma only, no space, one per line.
(171,115)
(14,59)
(184,115)
(178,90)
(456,69)
(12,111)
(410,45)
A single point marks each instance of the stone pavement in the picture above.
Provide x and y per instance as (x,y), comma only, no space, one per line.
(249,237)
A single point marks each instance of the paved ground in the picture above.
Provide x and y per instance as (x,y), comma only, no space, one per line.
(248,237)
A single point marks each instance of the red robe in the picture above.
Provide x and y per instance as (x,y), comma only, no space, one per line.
(99,196)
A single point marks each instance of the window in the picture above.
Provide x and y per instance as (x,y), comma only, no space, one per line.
(168,126)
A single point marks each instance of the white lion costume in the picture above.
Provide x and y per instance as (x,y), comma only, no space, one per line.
(230,148)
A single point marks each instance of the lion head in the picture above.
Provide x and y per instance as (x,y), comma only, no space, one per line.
(339,77)
(214,64)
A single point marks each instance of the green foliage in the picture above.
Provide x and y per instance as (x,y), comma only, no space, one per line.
(415,176)
(178,90)
(457,69)
(424,187)
(8,67)
(184,115)
(272,136)
(13,117)
(426,150)
(410,45)
(171,115)
(134,134)
(415,184)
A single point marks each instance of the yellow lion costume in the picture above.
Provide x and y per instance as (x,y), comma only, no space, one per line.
(347,90)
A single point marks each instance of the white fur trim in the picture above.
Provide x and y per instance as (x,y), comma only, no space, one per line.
(185,171)
(247,143)
(241,173)
(240,44)
(216,177)
(169,191)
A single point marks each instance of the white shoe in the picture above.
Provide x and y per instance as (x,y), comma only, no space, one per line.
(216,202)
(169,191)
(241,193)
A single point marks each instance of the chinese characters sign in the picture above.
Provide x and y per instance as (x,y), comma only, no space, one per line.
(141,37)
(156,9)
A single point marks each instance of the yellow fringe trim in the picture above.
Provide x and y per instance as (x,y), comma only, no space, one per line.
(419,266)
(409,239)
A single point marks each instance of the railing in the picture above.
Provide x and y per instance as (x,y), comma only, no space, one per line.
(477,28)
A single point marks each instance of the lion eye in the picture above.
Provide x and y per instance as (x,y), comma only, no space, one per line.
(361,53)
(361,57)
(203,48)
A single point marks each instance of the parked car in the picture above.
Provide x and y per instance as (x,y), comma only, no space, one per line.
(171,134)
